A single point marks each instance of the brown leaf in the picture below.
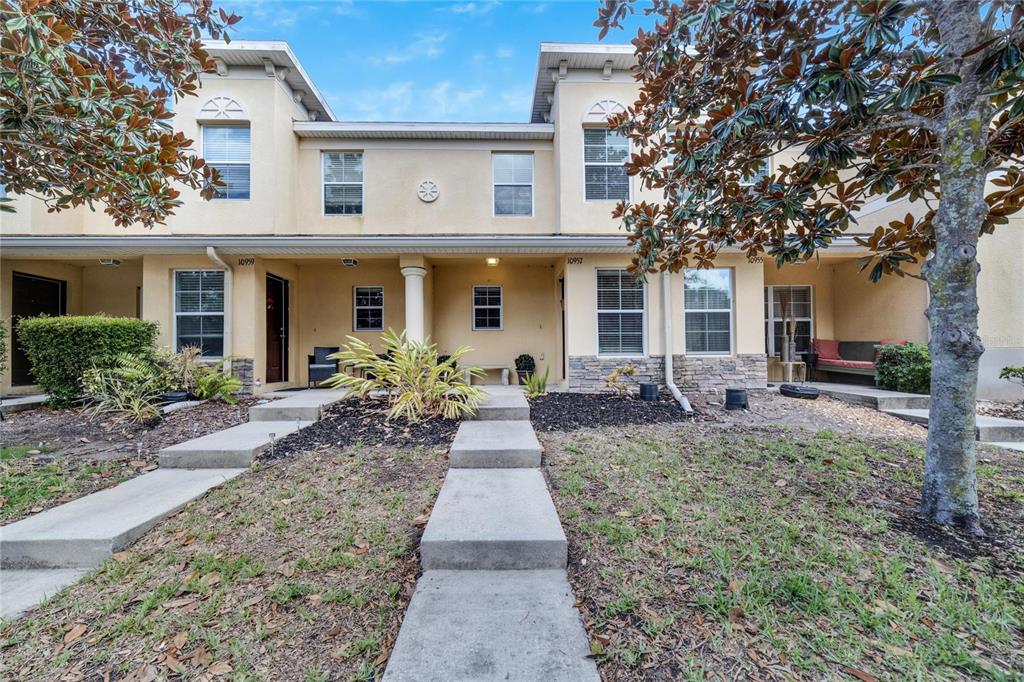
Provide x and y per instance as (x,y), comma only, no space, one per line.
(219,668)
(735,614)
(421,520)
(859,674)
(210,578)
(180,602)
(253,601)
(76,631)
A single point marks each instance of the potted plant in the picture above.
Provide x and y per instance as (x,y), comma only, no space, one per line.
(525,367)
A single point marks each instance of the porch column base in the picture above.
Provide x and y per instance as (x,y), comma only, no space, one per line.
(414,275)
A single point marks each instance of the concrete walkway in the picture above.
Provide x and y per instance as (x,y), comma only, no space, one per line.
(494,602)
(913,407)
(20,403)
(43,554)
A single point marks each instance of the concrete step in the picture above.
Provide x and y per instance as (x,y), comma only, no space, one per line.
(504,403)
(872,397)
(21,403)
(494,444)
(303,406)
(493,519)
(1016,446)
(231,448)
(988,429)
(21,589)
(491,625)
(84,532)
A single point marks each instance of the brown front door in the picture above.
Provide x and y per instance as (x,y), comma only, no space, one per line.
(277,329)
(32,296)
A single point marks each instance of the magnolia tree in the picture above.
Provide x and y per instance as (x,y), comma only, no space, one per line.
(85,87)
(871,98)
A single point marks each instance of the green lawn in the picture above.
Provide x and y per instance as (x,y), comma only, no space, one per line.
(706,554)
(299,570)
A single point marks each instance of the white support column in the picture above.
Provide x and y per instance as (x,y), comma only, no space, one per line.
(414,275)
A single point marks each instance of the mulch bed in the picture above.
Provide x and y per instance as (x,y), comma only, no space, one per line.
(94,453)
(1004,410)
(353,422)
(571,411)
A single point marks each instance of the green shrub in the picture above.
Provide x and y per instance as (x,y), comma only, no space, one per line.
(218,383)
(410,375)
(1015,375)
(525,363)
(906,368)
(537,383)
(129,389)
(61,349)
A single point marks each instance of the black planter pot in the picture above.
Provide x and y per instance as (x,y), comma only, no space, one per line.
(648,392)
(523,375)
(175,396)
(736,399)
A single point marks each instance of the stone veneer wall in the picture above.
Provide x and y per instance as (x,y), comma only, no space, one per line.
(706,374)
(587,372)
(243,369)
(711,374)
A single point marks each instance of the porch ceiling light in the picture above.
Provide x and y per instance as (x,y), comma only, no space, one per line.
(492,261)
(110,262)
(349,262)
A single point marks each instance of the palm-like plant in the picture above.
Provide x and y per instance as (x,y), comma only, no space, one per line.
(410,376)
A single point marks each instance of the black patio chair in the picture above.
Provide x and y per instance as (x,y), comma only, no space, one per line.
(321,367)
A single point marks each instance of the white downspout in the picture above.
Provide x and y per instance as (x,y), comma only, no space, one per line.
(666,311)
(229,316)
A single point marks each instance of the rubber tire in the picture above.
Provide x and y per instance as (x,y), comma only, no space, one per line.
(804,392)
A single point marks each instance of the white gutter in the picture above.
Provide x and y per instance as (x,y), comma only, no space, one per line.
(212,254)
(666,310)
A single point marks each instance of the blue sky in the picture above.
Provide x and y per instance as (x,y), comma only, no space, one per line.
(421,61)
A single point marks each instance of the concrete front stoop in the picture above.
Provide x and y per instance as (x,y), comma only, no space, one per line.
(987,429)
(305,406)
(235,447)
(494,602)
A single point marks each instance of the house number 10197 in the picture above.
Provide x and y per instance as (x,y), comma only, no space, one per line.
(574,260)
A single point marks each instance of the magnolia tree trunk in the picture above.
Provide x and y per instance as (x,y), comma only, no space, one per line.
(950,491)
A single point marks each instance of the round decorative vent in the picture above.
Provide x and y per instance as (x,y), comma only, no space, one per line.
(428,191)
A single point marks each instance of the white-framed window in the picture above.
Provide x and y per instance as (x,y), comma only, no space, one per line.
(708,303)
(343,183)
(605,153)
(512,174)
(621,305)
(751,180)
(227,149)
(487,308)
(199,310)
(796,303)
(368,309)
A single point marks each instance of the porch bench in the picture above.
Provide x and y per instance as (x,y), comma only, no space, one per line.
(849,357)
(504,373)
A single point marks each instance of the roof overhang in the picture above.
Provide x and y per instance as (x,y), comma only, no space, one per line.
(279,53)
(84,246)
(591,56)
(423,131)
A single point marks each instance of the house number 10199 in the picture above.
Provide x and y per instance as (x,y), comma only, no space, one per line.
(574,260)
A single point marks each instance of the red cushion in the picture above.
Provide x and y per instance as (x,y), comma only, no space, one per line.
(826,349)
(849,364)
(892,342)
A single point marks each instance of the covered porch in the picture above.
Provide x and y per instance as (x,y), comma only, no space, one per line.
(831,300)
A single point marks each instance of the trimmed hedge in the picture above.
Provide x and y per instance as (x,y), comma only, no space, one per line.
(60,349)
(906,368)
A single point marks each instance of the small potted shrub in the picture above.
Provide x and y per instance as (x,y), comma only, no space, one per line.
(525,367)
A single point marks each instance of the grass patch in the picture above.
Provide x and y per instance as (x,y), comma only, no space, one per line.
(779,554)
(299,570)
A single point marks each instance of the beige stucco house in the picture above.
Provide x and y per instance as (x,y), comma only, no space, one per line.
(492,235)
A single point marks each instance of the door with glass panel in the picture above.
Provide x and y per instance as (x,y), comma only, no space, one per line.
(788,310)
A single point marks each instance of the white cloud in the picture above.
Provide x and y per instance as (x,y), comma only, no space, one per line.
(439,101)
(426,46)
(504,52)
(448,102)
(471,8)
(534,7)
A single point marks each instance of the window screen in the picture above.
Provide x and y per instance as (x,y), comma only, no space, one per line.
(199,310)
(707,298)
(620,313)
(343,183)
(604,154)
(226,148)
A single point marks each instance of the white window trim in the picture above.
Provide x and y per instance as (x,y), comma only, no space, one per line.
(533,191)
(583,170)
(771,319)
(229,123)
(324,183)
(174,307)
(356,307)
(731,311)
(500,306)
(597,320)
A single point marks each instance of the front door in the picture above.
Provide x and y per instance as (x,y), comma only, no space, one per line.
(32,296)
(277,329)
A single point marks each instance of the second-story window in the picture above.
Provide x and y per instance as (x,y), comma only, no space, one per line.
(226,148)
(343,183)
(513,184)
(604,156)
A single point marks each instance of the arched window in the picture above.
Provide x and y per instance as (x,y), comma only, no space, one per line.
(222,108)
(601,110)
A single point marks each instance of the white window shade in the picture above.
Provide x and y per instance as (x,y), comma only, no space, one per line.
(620,313)
(604,154)
(343,183)
(199,310)
(708,307)
(227,149)
(513,184)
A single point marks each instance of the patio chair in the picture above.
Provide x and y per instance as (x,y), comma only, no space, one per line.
(321,367)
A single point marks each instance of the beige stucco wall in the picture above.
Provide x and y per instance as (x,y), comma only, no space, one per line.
(531,321)
(820,276)
(112,291)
